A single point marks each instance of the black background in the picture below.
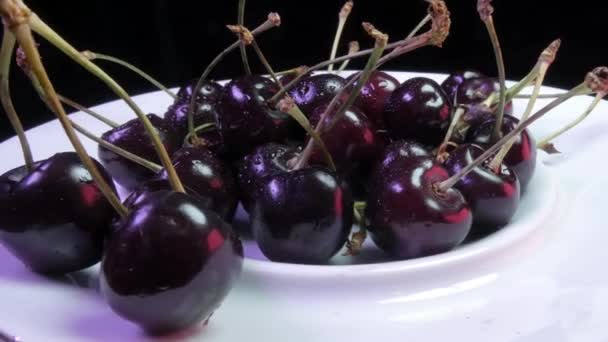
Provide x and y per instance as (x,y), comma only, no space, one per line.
(174,40)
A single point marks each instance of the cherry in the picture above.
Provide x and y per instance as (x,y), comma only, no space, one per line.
(54,218)
(205,177)
(418,109)
(375,94)
(476,90)
(402,149)
(264,161)
(406,215)
(493,197)
(209,92)
(132,137)
(303,216)
(454,80)
(313,91)
(522,155)
(245,119)
(170,263)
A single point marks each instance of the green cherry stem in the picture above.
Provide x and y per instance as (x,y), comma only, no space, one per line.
(96,55)
(6,52)
(420,25)
(203,127)
(242,46)
(353,47)
(342,18)
(49,34)
(540,96)
(545,143)
(448,136)
(273,20)
(289,106)
(88,111)
(381,40)
(20,28)
(544,62)
(485,10)
(445,185)
(119,151)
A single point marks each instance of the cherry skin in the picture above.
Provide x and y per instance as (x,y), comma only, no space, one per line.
(374,95)
(132,137)
(407,217)
(522,155)
(302,216)
(170,263)
(205,110)
(313,91)
(245,119)
(205,177)
(454,80)
(402,149)
(493,197)
(264,161)
(54,218)
(418,109)
(476,90)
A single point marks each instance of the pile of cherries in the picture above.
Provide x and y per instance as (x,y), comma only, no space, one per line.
(171,260)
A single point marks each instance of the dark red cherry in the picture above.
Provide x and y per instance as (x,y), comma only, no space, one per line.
(522,155)
(374,95)
(316,90)
(476,90)
(264,161)
(205,177)
(402,149)
(246,120)
(170,263)
(493,197)
(302,216)
(206,107)
(454,80)
(418,109)
(132,137)
(54,218)
(407,217)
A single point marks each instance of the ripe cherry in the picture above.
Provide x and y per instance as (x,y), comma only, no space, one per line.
(418,109)
(374,95)
(54,218)
(454,80)
(313,91)
(476,90)
(170,263)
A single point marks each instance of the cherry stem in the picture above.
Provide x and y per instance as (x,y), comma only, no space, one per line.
(95,55)
(544,62)
(540,96)
(23,33)
(241,22)
(445,185)
(353,47)
(547,140)
(420,25)
(49,34)
(88,111)
(342,18)
(119,151)
(381,40)
(203,127)
(6,52)
(355,243)
(448,136)
(292,71)
(272,21)
(292,109)
(485,12)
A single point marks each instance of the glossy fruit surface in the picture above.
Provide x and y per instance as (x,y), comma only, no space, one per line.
(407,217)
(493,197)
(374,95)
(170,263)
(313,91)
(302,216)
(205,177)
(266,160)
(476,90)
(54,218)
(205,110)
(246,120)
(454,80)
(418,109)
(522,155)
(132,137)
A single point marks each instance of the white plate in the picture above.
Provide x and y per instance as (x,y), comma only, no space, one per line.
(541,279)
